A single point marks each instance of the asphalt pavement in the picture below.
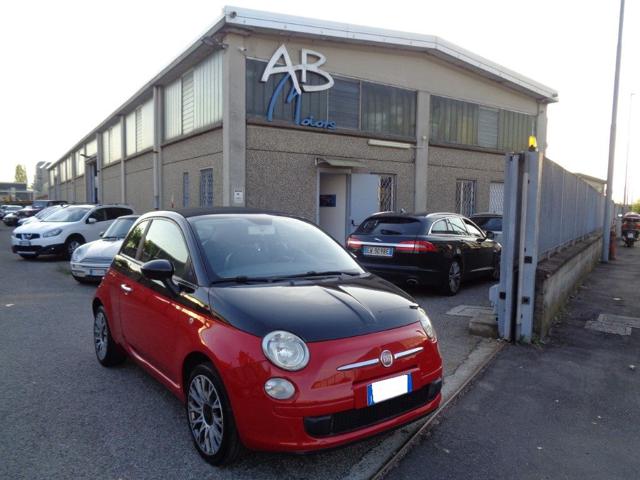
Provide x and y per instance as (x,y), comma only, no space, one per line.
(64,416)
(568,409)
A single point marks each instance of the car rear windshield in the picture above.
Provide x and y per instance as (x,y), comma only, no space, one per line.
(68,214)
(389,226)
(264,246)
(493,224)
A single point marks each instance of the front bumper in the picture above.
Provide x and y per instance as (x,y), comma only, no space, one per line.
(330,407)
(34,249)
(90,271)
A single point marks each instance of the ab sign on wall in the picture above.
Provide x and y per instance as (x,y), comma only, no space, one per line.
(310,63)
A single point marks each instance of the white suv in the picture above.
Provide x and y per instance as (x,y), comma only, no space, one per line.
(65,230)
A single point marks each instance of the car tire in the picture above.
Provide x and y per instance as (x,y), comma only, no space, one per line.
(108,352)
(453,278)
(210,418)
(71,244)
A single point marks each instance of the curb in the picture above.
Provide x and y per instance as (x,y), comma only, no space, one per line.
(415,437)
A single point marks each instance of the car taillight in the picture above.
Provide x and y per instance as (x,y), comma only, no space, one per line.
(417,246)
(353,243)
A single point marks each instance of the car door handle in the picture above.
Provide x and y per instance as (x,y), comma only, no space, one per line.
(125,288)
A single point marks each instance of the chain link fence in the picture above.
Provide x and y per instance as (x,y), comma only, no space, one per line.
(465,197)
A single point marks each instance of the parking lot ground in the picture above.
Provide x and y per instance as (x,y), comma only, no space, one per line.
(569,409)
(62,415)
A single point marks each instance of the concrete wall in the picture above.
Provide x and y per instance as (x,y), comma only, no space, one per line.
(282,175)
(81,189)
(558,277)
(139,182)
(192,155)
(111,183)
(446,165)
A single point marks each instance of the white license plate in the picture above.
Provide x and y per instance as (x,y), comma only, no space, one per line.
(25,243)
(377,251)
(391,387)
(630,235)
(97,272)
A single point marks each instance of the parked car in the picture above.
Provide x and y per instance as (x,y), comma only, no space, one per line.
(630,228)
(42,204)
(41,215)
(435,249)
(11,219)
(90,261)
(5,209)
(267,329)
(65,230)
(490,223)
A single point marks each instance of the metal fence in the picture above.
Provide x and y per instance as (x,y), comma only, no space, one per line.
(570,209)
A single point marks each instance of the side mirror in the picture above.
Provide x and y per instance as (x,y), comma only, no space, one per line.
(91,220)
(159,269)
(101,234)
(490,235)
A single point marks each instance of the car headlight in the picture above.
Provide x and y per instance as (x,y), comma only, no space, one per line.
(52,233)
(426,324)
(285,350)
(77,255)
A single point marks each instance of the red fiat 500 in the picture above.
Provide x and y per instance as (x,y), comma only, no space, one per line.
(269,331)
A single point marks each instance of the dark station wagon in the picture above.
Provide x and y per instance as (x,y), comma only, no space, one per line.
(434,249)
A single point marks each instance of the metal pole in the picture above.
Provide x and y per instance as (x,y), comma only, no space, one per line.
(606,224)
(626,166)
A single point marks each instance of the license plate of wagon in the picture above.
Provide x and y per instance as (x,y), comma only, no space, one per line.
(377,251)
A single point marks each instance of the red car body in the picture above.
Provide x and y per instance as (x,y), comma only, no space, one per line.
(167,334)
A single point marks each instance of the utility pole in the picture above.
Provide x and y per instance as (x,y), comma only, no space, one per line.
(626,166)
(606,224)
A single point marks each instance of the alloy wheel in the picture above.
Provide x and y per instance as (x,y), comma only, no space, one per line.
(100,335)
(206,419)
(72,245)
(454,276)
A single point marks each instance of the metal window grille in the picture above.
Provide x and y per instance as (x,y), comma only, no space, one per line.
(465,197)
(185,190)
(386,192)
(206,187)
(496,197)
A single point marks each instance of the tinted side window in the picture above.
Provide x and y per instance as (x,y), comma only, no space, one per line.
(389,226)
(457,226)
(164,240)
(440,227)
(130,244)
(115,212)
(100,214)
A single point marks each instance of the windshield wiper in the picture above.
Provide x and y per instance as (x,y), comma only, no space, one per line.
(327,273)
(242,279)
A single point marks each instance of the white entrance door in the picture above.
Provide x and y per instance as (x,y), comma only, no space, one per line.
(496,197)
(365,191)
(333,205)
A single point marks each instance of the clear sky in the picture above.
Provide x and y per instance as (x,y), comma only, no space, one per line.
(67,64)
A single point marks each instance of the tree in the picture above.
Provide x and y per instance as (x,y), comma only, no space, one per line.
(635,207)
(21,174)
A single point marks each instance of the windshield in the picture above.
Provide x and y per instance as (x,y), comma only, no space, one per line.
(46,212)
(119,228)
(263,246)
(68,214)
(39,204)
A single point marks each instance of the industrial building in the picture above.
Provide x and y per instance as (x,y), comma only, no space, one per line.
(325,120)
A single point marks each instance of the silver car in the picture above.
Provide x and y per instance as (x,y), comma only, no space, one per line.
(90,261)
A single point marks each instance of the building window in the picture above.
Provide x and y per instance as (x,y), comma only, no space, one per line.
(465,197)
(206,187)
(111,144)
(388,110)
(79,163)
(194,100)
(351,104)
(496,197)
(139,128)
(386,193)
(185,190)
(455,122)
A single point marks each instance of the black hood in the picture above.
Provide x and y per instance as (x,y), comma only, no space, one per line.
(318,310)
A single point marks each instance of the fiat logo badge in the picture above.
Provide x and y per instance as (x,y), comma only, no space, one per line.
(386,358)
